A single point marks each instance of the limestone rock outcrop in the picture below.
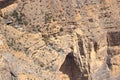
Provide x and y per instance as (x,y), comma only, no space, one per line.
(59,40)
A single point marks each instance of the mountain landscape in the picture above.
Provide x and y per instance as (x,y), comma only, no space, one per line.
(59,39)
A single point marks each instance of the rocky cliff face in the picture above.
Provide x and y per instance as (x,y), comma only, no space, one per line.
(59,40)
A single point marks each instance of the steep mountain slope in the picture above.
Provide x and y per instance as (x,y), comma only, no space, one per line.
(59,40)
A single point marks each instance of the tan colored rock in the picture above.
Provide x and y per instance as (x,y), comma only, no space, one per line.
(27,77)
(60,40)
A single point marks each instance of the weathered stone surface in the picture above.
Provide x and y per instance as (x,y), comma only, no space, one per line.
(59,40)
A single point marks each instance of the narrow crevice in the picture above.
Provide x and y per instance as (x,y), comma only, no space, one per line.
(14,77)
(108,61)
(80,43)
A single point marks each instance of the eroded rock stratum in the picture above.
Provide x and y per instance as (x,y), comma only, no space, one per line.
(59,39)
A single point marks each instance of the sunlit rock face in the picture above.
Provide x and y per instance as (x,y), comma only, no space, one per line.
(59,39)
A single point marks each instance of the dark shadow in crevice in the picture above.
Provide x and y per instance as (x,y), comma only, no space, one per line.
(5,3)
(113,38)
(70,68)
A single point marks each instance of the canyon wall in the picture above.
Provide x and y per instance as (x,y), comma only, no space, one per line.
(59,39)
